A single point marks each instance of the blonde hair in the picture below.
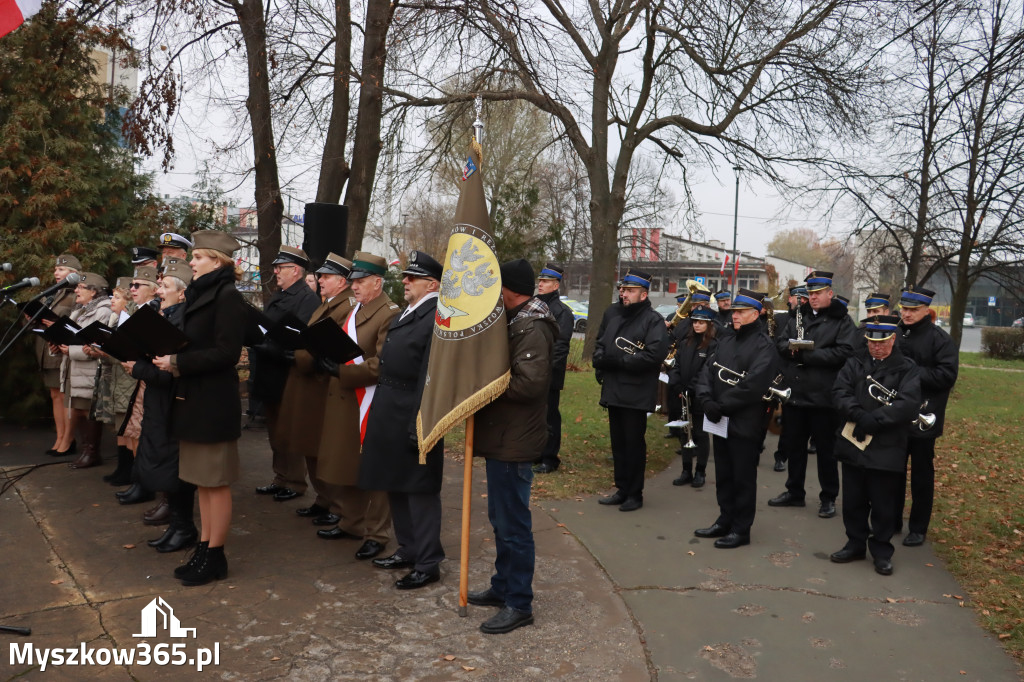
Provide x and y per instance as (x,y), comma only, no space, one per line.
(224,259)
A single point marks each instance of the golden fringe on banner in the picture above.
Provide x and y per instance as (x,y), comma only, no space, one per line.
(479,151)
(462,411)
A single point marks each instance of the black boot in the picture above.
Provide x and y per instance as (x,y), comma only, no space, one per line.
(214,566)
(182,532)
(134,495)
(198,556)
(698,478)
(122,475)
(685,477)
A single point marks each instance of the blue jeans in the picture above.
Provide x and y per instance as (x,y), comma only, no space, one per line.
(508,508)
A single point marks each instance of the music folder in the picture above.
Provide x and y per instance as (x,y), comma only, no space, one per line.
(323,339)
(146,334)
(63,332)
(35,308)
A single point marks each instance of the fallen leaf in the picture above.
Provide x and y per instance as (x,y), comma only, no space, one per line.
(930,565)
(128,546)
(448,657)
(1005,635)
(58,581)
(692,553)
(468,668)
(890,600)
(95,505)
(560,525)
(275,658)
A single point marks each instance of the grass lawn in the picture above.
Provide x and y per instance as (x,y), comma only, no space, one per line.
(982,360)
(978,521)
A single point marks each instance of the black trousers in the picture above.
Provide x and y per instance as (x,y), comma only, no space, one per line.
(799,424)
(549,455)
(871,495)
(417,519)
(736,482)
(922,484)
(674,403)
(627,427)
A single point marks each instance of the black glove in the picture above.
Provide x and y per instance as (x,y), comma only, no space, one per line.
(867,423)
(603,362)
(713,411)
(289,357)
(859,433)
(327,366)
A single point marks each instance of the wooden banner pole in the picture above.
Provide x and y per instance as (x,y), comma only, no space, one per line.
(467,490)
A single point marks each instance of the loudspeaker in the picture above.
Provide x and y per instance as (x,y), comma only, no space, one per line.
(325,229)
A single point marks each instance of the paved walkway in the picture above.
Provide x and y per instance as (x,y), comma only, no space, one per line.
(619,596)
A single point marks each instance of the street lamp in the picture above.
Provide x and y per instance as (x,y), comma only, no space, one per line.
(735,224)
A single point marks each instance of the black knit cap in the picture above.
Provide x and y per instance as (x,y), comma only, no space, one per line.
(517,276)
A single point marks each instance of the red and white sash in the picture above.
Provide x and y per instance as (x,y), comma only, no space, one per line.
(364,394)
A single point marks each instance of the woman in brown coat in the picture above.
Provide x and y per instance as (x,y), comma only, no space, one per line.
(207,412)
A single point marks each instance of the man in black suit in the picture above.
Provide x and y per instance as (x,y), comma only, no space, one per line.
(270,363)
(548,281)
(390,458)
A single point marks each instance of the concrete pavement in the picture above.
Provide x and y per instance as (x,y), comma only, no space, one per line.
(618,596)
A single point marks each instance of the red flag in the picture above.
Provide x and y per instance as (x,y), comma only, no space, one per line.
(13,13)
(725,261)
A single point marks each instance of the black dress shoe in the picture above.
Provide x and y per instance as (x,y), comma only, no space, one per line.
(312,510)
(163,538)
(827,509)
(715,530)
(417,579)
(883,567)
(370,549)
(732,540)
(846,555)
(136,495)
(786,499)
(72,449)
(631,504)
(336,534)
(327,519)
(285,494)
(271,489)
(183,538)
(617,498)
(684,478)
(485,598)
(779,465)
(393,561)
(544,468)
(913,539)
(506,620)
(698,480)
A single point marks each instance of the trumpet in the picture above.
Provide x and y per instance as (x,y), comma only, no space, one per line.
(924,421)
(731,377)
(775,393)
(628,347)
(688,416)
(800,343)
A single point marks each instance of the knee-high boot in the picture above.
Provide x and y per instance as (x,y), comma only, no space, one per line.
(92,435)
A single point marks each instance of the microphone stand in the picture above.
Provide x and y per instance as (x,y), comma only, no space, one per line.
(21,331)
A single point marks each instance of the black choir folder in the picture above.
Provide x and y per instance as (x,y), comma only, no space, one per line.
(146,334)
(66,332)
(34,309)
(324,339)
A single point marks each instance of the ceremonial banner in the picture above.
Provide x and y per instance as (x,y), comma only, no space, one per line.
(468,365)
(14,12)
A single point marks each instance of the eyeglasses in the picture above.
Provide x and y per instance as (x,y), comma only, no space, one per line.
(136,285)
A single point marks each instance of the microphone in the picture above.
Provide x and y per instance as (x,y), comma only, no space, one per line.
(27,282)
(5,267)
(71,280)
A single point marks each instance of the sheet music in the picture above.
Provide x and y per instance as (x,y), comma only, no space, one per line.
(720,429)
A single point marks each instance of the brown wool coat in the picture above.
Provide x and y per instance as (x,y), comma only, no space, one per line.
(339,441)
(301,418)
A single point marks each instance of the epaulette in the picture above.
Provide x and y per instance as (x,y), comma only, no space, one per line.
(393,305)
(352,301)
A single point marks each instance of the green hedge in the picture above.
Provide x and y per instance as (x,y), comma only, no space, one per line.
(1003,342)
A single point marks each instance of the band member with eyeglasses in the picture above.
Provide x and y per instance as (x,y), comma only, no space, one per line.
(723,299)
(877,393)
(731,388)
(810,373)
(632,342)
(692,352)
(939,361)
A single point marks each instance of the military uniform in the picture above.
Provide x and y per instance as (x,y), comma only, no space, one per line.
(559,360)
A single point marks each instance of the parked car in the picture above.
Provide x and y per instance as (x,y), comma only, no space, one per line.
(666,309)
(579,313)
(1018,323)
(968,320)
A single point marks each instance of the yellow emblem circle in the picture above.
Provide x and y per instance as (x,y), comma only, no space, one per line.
(469,299)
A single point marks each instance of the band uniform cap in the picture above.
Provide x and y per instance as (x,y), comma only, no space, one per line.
(174,241)
(69,261)
(876,300)
(698,297)
(551,271)
(146,273)
(93,280)
(293,256)
(141,254)
(915,297)
(124,283)
(818,280)
(636,278)
(517,276)
(845,301)
(706,314)
(880,327)
(336,265)
(423,265)
(746,299)
(179,269)
(215,240)
(722,295)
(799,290)
(365,264)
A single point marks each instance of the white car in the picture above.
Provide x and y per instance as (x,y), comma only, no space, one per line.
(968,320)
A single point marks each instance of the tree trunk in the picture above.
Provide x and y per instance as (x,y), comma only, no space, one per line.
(366,150)
(334,169)
(269,208)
